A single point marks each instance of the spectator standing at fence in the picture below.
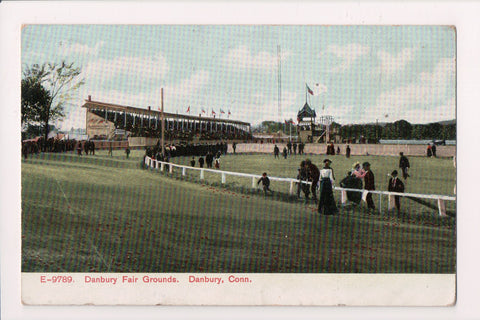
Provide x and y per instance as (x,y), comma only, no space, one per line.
(347,151)
(434,150)
(110,149)
(217,162)
(127,152)
(289,147)
(352,182)
(201,161)
(358,171)
(192,162)
(285,152)
(209,159)
(92,147)
(265,182)
(396,185)
(302,179)
(313,175)
(86,147)
(294,145)
(429,150)
(276,151)
(326,201)
(338,150)
(79,148)
(234,147)
(404,164)
(369,184)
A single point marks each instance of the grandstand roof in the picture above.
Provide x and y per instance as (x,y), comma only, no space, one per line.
(90,104)
(306,112)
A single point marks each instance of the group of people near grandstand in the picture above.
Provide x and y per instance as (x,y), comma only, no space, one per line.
(35,146)
(288,149)
(210,160)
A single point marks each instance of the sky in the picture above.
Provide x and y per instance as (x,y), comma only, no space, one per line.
(358,74)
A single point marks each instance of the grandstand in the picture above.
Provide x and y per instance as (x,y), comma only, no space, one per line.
(112,121)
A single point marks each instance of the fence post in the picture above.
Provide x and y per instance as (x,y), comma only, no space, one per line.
(253,183)
(202,175)
(184,171)
(380,203)
(441,208)
(170,168)
(224,179)
(391,202)
(162,165)
(291,188)
(344,197)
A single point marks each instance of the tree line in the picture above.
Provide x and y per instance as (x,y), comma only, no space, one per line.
(400,129)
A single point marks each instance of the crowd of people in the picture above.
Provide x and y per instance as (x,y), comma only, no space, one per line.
(35,146)
(174,130)
(360,177)
(209,154)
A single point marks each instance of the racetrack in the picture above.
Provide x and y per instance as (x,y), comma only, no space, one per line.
(102,214)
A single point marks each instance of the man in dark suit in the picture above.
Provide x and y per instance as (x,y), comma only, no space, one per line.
(396,185)
(313,175)
(369,184)
(404,164)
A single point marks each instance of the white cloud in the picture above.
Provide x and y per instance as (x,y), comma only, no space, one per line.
(430,89)
(139,68)
(389,63)
(243,58)
(66,49)
(348,54)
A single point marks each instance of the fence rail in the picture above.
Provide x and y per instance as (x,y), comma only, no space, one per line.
(160,165)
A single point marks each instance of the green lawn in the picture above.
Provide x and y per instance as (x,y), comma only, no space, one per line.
(106,214)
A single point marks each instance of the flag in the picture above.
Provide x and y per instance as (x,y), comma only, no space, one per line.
(188,110)
(309,90)
(229,113)
(221,111)
(203,111)
(213,112)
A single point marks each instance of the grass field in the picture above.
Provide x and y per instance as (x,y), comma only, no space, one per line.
(106,214)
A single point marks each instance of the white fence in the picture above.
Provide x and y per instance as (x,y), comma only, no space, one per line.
(159,165)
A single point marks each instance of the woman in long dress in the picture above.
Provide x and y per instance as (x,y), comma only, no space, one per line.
(326,203)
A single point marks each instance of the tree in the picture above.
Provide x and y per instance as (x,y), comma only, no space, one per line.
(34,100)
(59,81)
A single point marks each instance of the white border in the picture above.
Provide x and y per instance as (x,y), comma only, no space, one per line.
(463,15)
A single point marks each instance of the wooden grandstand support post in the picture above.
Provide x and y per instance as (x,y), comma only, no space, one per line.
(442,211)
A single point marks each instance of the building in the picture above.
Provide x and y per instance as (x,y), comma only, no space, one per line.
(107,121)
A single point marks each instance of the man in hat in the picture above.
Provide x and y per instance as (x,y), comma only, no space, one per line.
(369,184)
(303,177)
(313,176)
(396,185)
(347,151)
(404,164)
